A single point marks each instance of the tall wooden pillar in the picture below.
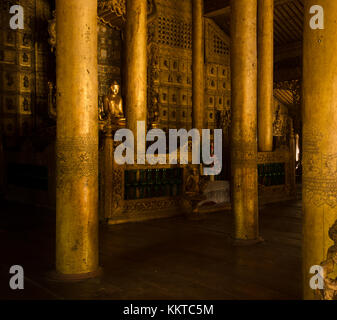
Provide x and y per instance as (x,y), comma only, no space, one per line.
(77,139)
(2,166)
(319,137)
(198,86)
(136,63)
(265,74)
(244,120)
(108,171)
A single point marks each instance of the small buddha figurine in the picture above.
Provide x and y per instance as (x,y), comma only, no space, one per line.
(278,123)
(329,265)
(192,182)
(113,103)
(52,32)
(52,112)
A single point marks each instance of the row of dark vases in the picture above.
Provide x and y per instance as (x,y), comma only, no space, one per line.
(271,174)
(153,183)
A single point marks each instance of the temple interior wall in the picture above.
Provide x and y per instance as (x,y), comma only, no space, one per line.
(27,65)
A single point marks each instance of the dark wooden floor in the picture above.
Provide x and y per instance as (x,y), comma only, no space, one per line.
(164,259)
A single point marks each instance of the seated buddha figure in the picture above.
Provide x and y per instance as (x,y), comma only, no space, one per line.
(113,103)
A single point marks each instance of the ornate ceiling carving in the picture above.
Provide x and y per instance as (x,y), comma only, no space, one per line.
(113,12)
(116,6)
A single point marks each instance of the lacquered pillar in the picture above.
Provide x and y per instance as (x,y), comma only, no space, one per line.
(136,63)
(244,120)
(198,86)
(319,137)
(108,171)
(77,139)
(2,166)
(265,74)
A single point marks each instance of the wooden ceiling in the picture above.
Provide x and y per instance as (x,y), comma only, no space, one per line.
(288,32)
(285,96)
(288,26)
(288,17)
(288,22)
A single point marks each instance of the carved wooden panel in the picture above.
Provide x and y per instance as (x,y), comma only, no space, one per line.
(24,62)
(170,67)
(109,58)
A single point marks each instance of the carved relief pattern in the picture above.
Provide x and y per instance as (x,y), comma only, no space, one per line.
(170,70)
(76,158)
(245,156)
(218,81)
(153,92)
(320,171)
(170,66)
(272,157)
(217,44)
(136,207)
(117,191)
(174,32)
(118,7)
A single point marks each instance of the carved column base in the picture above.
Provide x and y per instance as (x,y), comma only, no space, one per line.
(58,277)
(246,243)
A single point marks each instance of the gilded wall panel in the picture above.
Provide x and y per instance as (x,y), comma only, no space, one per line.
(9,103)
(9,126)
(109,58)
(24,63)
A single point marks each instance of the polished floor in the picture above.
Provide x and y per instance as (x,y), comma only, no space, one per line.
(162,259)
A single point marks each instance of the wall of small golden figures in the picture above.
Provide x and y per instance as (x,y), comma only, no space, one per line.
(24,61)
(27,64)
(170,67)
(109,58)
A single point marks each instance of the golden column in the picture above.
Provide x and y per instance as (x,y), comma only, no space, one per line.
(2,166)
(244,120)
(136,63)
(198,86)
(77,139)
(108,170)
(319,137)
(265,74)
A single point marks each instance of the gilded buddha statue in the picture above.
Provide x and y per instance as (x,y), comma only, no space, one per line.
(113,104)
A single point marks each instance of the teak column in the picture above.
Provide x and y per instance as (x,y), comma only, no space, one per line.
(108,171)
(244,120)
(136,63)
(198,86)
(319,137)
(77,139)
(2,166)
(265,74)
